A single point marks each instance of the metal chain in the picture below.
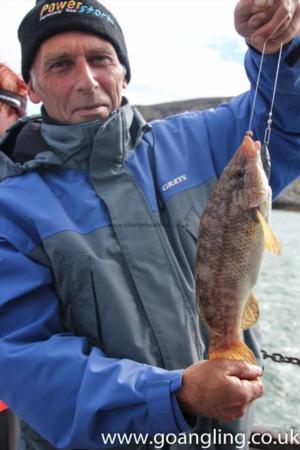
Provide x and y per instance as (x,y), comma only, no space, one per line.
(278,357)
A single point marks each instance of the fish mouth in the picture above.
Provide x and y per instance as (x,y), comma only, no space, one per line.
(251,148)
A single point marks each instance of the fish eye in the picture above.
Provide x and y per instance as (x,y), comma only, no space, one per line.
(239,174)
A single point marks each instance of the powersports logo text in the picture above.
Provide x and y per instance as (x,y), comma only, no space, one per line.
(72,6)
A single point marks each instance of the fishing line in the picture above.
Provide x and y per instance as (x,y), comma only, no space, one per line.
(269,121)
(257,84)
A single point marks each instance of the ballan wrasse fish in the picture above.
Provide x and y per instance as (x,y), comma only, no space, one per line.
(233,233)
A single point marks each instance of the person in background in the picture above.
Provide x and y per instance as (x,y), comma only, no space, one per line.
(4,439)
(98,231)
(13,98)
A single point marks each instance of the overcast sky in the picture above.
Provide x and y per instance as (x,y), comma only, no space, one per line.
(178,49)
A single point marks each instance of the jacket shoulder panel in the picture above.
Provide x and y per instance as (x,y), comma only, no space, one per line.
(182,153)
(32,203)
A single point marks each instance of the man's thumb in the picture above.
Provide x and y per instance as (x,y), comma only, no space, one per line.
(244,371)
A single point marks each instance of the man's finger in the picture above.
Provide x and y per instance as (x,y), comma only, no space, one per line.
(270,29)
(246,8)
(253,389)
(243,370)
(282,30)
(259,19)
(290,29)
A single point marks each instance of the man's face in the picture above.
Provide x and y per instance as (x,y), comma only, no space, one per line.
(78,77)
(8,116)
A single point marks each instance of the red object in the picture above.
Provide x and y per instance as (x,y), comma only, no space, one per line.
(3,406)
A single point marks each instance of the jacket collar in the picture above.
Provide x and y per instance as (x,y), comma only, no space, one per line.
(71,145)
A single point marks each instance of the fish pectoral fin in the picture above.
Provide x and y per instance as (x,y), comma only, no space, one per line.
(236,352)
(251,313)
(271,241)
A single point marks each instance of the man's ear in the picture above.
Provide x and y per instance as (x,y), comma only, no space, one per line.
(32,92)
(125,82)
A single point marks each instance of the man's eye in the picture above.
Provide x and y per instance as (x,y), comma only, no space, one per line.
(101,60)
(59,65)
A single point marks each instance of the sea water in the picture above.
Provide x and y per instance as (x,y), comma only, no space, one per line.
(278,294)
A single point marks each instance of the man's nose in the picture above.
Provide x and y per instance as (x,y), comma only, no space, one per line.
(86,80)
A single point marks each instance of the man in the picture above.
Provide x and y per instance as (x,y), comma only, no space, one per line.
(13,99)
(98,234)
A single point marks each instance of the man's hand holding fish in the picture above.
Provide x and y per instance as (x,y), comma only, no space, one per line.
(221,389)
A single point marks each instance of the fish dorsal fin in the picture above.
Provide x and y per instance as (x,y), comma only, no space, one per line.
(251,313)
(271,241)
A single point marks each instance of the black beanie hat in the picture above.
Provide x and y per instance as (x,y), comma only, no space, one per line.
(50,17)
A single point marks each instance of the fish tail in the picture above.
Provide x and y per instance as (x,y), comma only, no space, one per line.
(237,351)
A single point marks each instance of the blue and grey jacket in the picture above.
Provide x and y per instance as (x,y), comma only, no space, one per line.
(97,247)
